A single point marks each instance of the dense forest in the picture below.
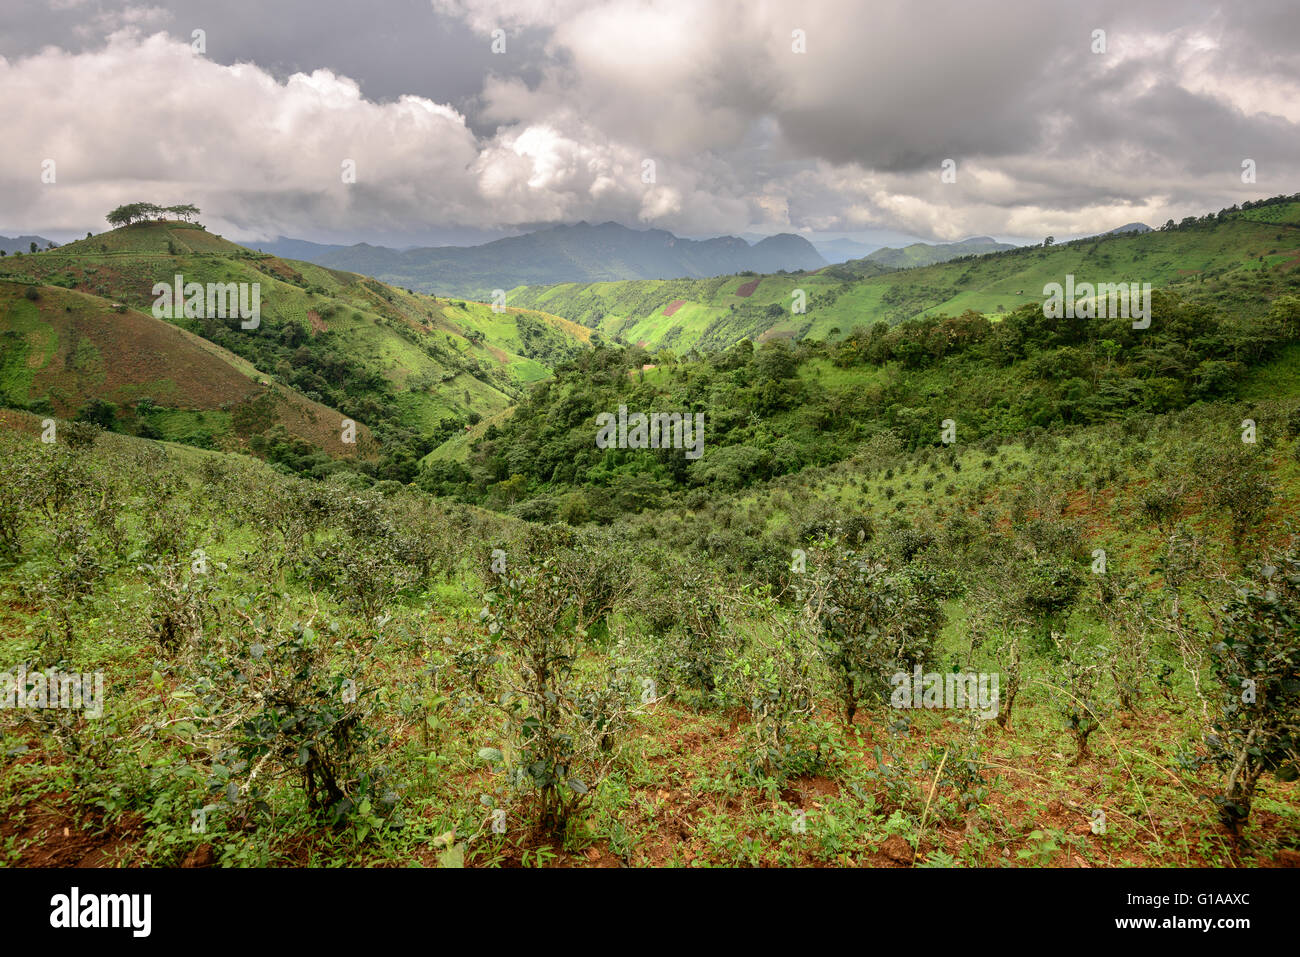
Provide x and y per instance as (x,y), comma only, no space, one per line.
(778,408)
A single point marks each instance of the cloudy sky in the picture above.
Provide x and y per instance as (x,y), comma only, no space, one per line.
(453,141)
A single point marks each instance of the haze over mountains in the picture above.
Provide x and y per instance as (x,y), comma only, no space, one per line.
(844,249)
(599,253)
(610,252)
(22,244)
(577,253)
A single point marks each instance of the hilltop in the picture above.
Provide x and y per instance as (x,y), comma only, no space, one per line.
(927,254)
(412,368)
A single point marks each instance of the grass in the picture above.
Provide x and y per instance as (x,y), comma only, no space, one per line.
(442,360)
(1220,262)
(677,795)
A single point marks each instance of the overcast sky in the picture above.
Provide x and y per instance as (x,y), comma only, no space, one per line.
(453,142)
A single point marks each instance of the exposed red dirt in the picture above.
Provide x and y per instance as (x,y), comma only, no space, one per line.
(47,834)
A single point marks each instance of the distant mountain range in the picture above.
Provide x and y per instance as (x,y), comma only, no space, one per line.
(578,253)
(23,244)
(610,252)
(1129,228)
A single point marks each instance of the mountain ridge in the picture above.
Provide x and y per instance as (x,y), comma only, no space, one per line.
(1237,253)
(578,252)
(23,244)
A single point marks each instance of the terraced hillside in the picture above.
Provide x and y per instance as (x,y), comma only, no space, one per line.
(1241,259)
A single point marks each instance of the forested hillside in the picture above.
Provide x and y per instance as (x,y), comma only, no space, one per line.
(779,408)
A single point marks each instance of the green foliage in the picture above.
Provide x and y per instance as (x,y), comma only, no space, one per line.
(100,413)
(309,717)
(560,727)
(773,678)
(871,621)
(1257,662)
(763,420)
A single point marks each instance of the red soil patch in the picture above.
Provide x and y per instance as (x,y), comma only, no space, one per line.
(745,290)
(283,270)
(674,306)
(131,350)
(317,323)
(134,353)
(48,836)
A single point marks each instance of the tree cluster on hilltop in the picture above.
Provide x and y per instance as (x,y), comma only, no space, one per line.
(139,212)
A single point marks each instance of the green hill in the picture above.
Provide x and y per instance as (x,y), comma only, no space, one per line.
(1239,258)
(66,350)
(579,253)
(927,254)
(411,368)
(778,409)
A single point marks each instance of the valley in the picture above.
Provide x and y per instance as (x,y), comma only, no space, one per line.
(502,626)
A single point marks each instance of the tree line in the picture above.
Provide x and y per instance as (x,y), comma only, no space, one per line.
(139,212)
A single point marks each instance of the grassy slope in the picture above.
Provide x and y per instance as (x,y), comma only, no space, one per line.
(68,347)
(992,479)
(674,798)
(419,344)
(457,448)
(1200,263)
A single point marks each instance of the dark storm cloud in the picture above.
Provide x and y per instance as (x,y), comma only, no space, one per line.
(390,48)
(746,133)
